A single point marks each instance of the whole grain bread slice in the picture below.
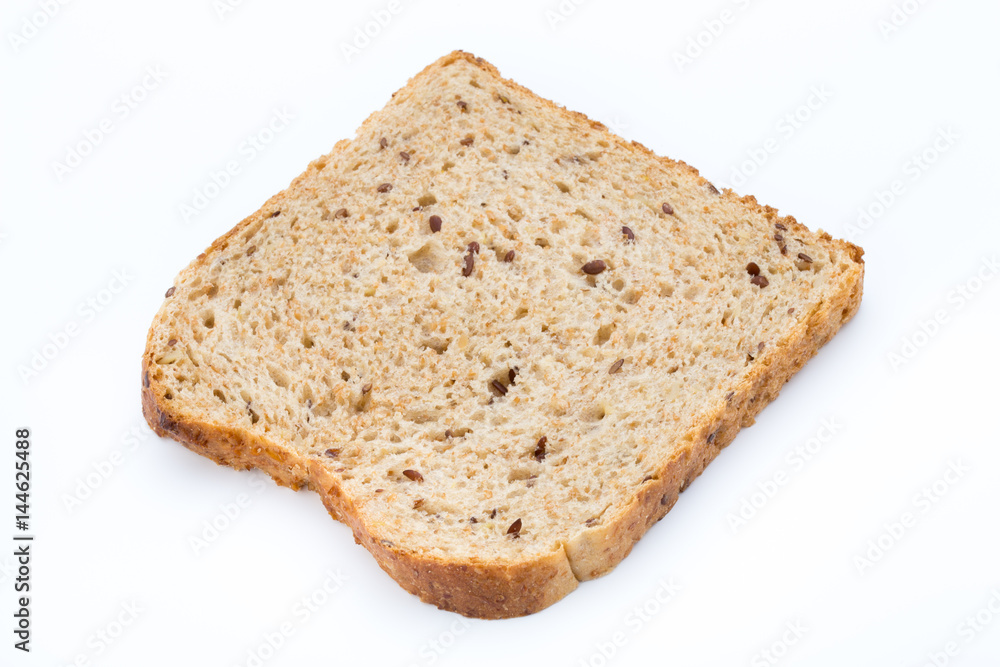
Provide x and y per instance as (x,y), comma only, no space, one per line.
(496,339)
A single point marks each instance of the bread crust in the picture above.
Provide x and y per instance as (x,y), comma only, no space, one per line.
(492,589)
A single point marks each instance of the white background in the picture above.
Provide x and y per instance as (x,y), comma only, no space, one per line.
(901,423)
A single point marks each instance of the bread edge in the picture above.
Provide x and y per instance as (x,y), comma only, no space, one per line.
(492,589)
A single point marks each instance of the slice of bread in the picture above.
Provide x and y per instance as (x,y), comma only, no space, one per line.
(496,339)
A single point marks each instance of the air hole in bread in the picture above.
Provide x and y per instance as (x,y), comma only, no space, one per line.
(209,290)
(422,415)
(324,408)
(279,376)
(169,357)
(604,334)
(279,281)
(362,401)
(429,258)
(252,229)
(595,413)
(519,474)
(692,292)
(439,345)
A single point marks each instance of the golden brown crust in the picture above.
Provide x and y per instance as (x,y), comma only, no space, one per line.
(482,590)
(596,551)
(492,589)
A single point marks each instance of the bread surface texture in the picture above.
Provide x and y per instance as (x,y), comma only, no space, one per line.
(496,339)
